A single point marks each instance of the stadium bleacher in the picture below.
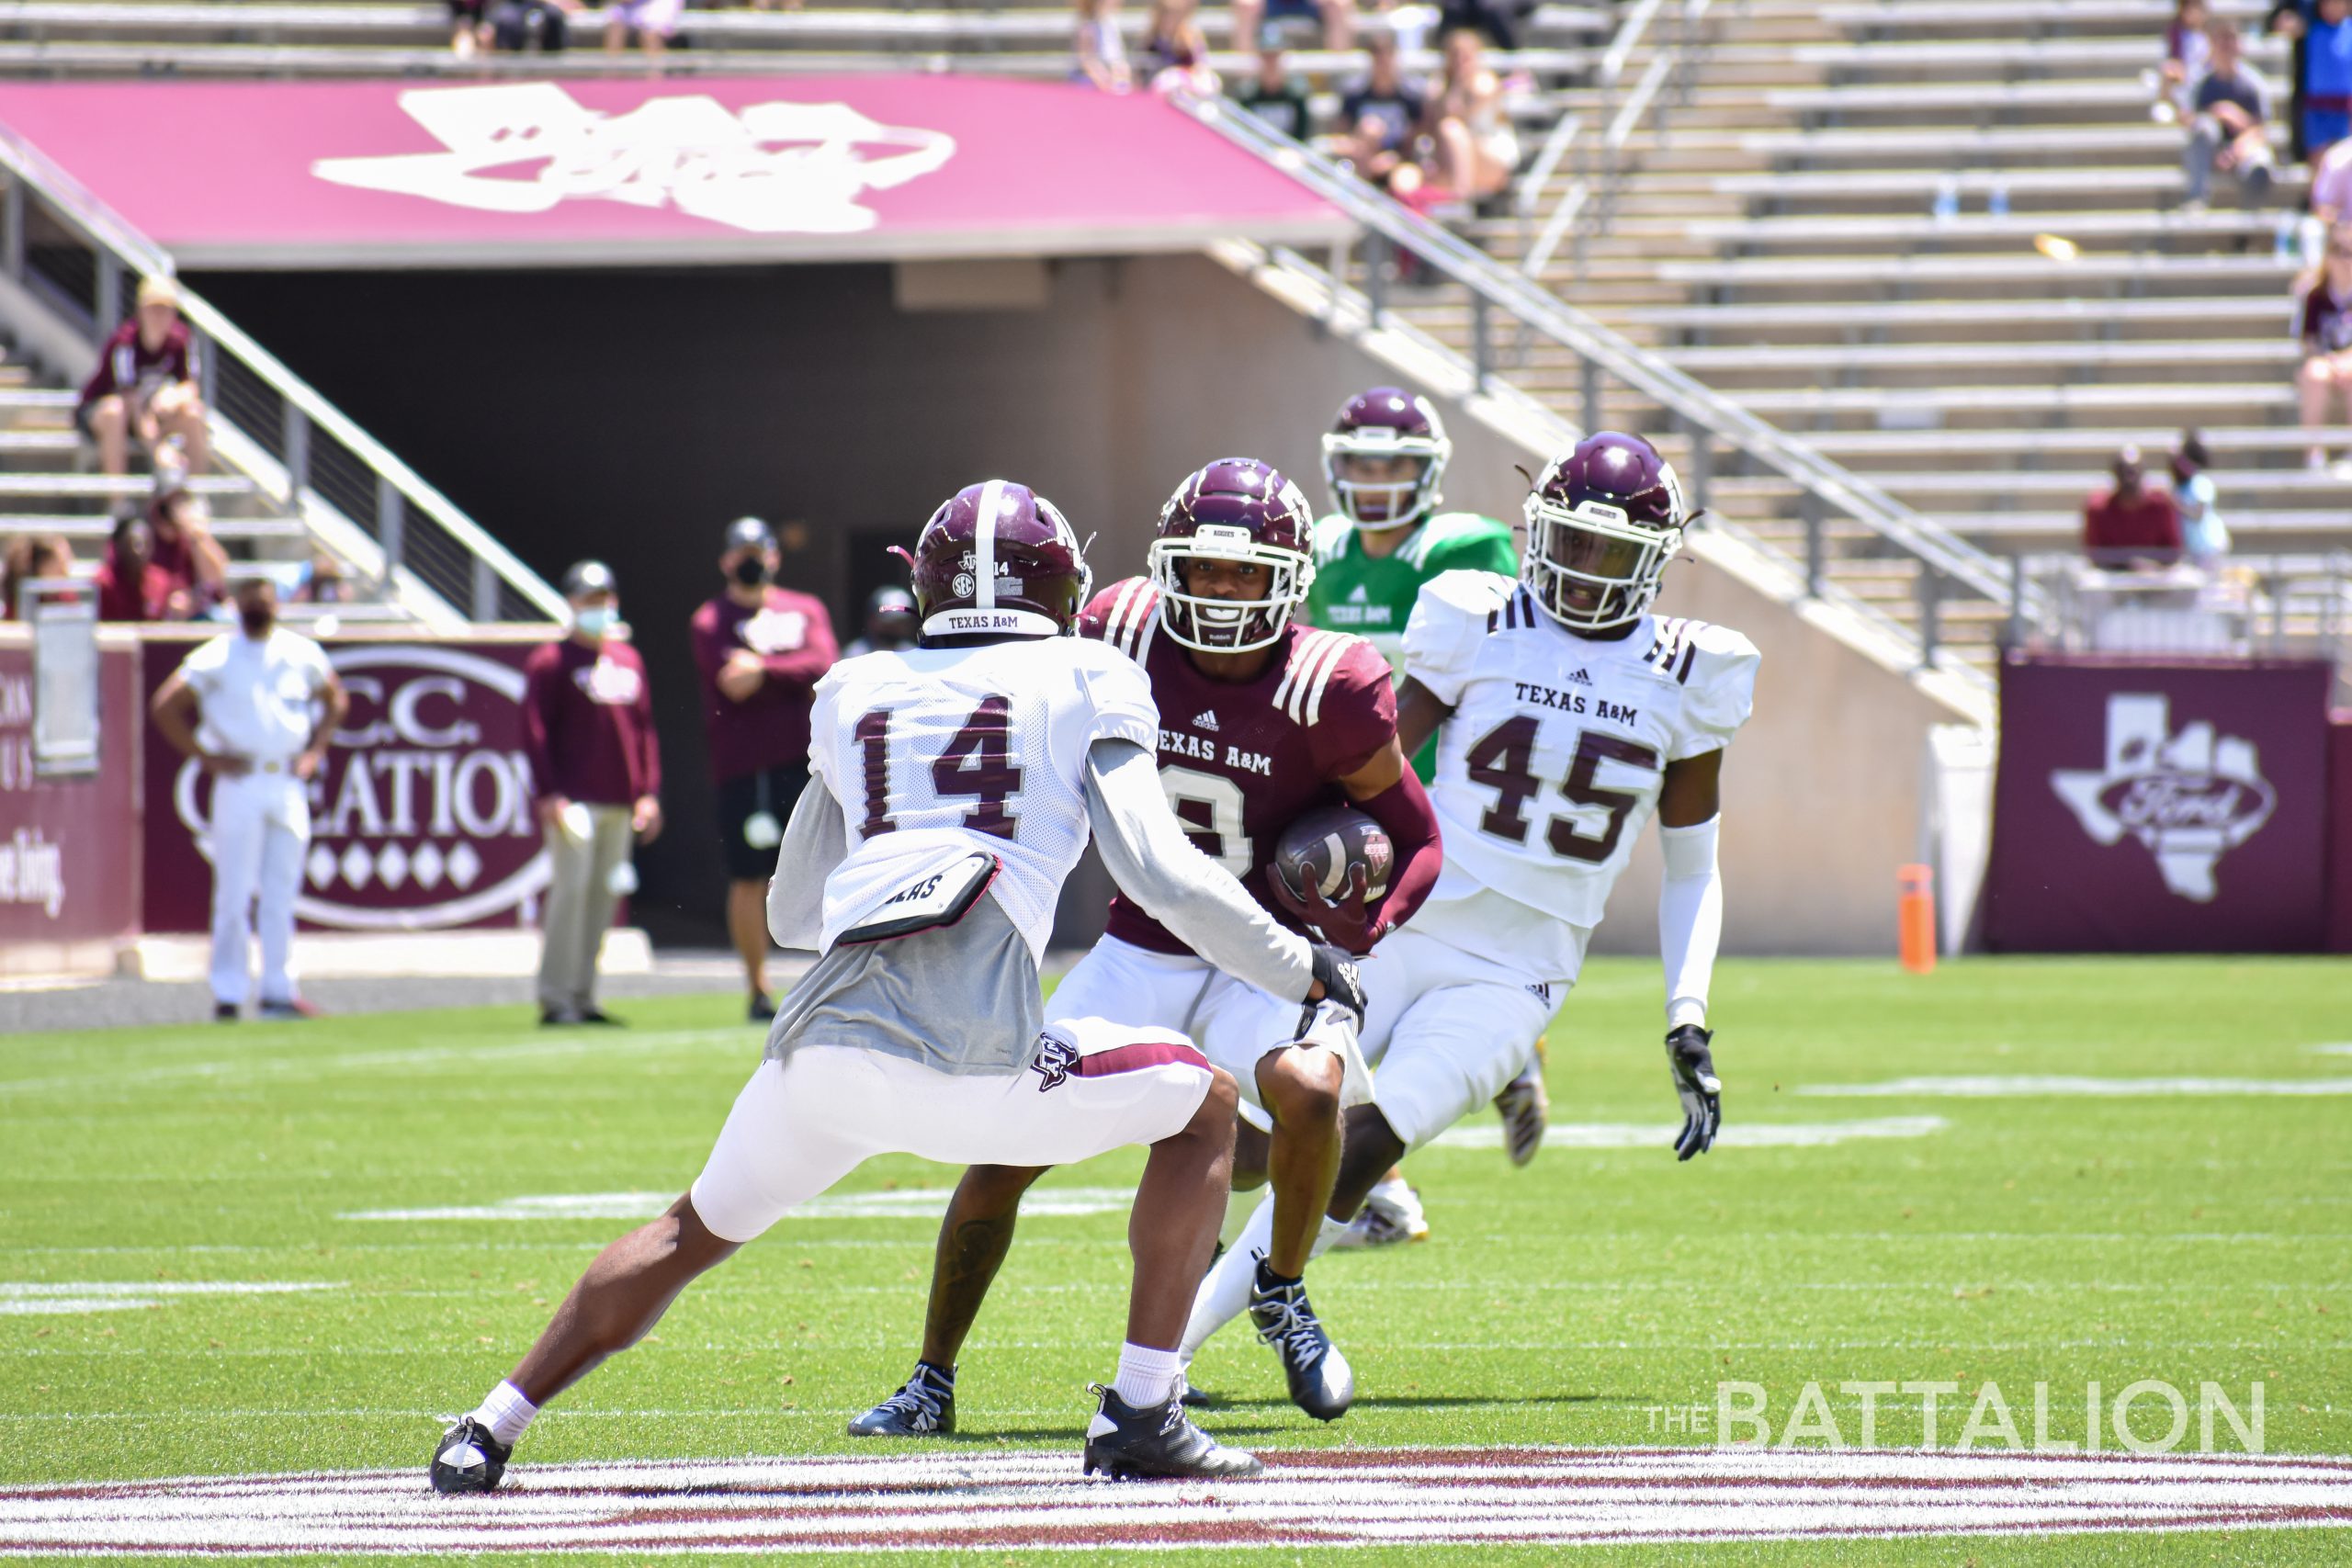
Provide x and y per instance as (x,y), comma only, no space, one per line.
(1780,244)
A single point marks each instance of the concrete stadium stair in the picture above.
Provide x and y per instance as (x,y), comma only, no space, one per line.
(1777,243)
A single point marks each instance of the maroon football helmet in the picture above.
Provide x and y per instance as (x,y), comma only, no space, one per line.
(1386,422)
(1235,509)
(1602,524)
(998,559)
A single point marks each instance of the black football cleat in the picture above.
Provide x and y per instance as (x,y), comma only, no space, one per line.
(1321,1382)
(1157,1442)
(762,1007)
(924,1406)
(469,1459)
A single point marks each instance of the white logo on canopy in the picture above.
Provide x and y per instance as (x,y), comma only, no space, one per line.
(773,168)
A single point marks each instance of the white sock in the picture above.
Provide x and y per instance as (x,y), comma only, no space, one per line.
(1146,1377)
(1326,1236)
(506,1413)
(1223,1295)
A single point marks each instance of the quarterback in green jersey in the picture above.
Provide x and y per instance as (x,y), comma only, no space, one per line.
(1382,459)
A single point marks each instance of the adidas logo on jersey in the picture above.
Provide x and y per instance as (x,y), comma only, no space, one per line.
(1579,678)
(1207,721)
(1358,596)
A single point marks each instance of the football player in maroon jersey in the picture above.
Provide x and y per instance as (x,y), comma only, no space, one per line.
(1260,720)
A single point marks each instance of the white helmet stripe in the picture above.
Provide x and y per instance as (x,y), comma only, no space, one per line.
(984,546)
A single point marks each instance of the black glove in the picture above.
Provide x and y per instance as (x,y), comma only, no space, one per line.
(1701,1092)
(1342,986)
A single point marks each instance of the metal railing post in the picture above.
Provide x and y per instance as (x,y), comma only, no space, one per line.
(391,527)
(298,455)
(1482,359)
(2014,635)
(1930,595)
(1809,507)
(485,590)
(13,211)
(1375,285)
(1590,369)
(1703,463)
(106,306)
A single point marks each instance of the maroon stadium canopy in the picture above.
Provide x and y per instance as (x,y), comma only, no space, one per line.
(541,172)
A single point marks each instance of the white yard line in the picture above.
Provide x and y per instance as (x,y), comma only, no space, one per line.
(1034,1500)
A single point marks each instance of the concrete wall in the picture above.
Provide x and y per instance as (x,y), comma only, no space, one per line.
(629,415)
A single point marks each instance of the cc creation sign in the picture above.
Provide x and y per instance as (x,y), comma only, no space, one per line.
(420,819)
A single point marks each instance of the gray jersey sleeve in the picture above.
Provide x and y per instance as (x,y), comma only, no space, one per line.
(1145,849)
(815,841)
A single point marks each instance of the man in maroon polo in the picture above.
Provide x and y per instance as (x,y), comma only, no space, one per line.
(761,650)
(596,767)
(145,385)
(2130,525)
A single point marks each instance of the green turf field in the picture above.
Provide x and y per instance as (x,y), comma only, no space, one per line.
(2202,1234)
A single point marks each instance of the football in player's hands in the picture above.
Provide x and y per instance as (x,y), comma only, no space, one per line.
(1330,866)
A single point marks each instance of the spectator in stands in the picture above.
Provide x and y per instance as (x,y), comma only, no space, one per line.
(1101,50)
(468,30)
(2228,125)
(31,555)
(324,582)
(1188,69)
(1476,149)
(654,22)
(1378,114)
(1276,96)
(2331,192)
(588,731)
(890,623)
(2202,533)
(144,387)
(2326,332)
(2188,50)
(531,27)
(132,587)
(2326,52)
(184,548)
(1263,22)
(761,650)
(2290,19)
(2128,524)
(1164,33)
(1496,20)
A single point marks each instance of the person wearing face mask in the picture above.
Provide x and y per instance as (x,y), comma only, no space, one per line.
(596,766)
(761,650)
(255,709)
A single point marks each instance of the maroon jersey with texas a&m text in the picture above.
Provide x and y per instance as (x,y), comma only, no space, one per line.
(1241,760)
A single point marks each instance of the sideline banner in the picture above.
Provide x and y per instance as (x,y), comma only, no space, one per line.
(420,819)
(68,861)
(356,175)
(2339,832)
(2159,808)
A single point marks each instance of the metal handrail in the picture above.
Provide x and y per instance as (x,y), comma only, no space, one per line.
(1667,64)
(119,245)
(1703,412)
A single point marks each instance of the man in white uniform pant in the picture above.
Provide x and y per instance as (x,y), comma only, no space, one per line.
(255,707)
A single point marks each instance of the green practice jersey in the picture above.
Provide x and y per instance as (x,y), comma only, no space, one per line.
(1355,593)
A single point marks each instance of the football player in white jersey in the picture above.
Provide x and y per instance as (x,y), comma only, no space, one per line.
(960,779)
(1261,721)
(1566,716)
